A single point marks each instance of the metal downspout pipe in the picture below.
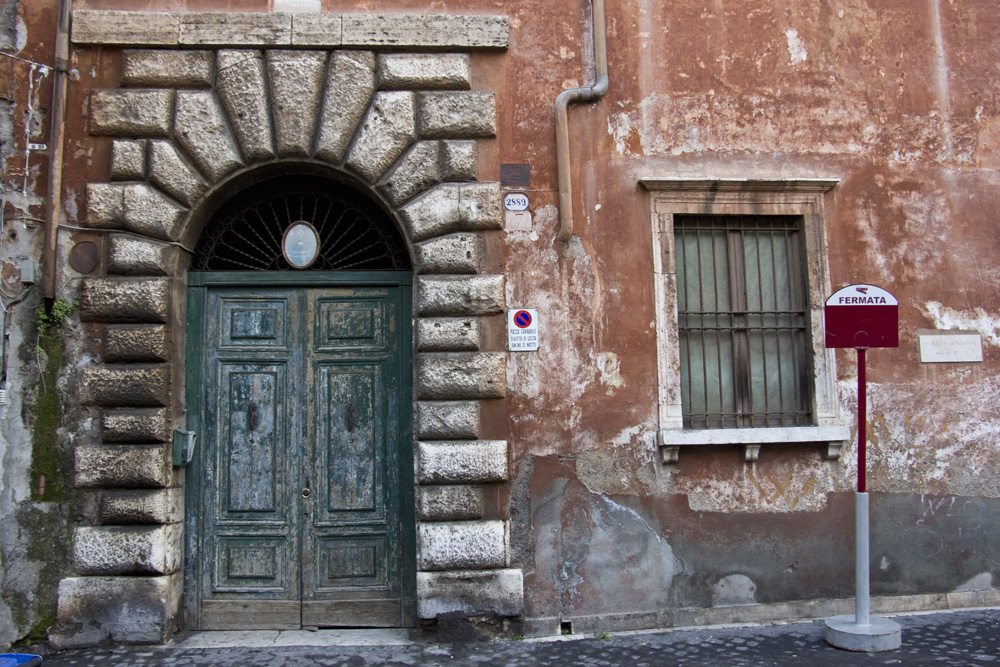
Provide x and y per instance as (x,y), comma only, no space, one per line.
(563,101)
(56,137)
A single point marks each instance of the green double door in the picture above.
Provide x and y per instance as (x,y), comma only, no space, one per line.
(303,401)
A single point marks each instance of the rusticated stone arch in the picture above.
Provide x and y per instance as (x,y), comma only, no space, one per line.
(188,127)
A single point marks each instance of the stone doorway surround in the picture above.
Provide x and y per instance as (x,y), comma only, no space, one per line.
(207,100)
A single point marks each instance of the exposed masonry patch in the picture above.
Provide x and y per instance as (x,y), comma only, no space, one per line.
(174,140)
(977,319)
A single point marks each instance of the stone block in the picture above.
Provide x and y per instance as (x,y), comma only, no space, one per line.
(447,334)
(350,86)
(463,545)
(123,466)
(167,68)
(132,342)
(460,295)
(459,160)
(434,213)
(461,115)
(202,131)
(316,29)
(126,385)
(296,85)
(120,610)
(424,71)
(104,550)
(243,92)
(128,160)
(473,31)
(417,171)
(130,256)
(480,206)
(450,503)
(125,27)
(387,131)
(125,300)
(235,29)
(160,506)
(469,462)
(455,253)
(448,420)
(470,593)
(170,171)
(136,426)
(105,205)
(461,375)
(135,112)
(149,213)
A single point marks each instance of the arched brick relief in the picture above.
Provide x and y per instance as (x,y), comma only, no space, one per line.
(185,126)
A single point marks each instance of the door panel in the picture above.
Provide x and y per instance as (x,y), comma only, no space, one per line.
(301,487)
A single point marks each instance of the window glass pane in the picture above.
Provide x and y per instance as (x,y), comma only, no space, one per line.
(741,367)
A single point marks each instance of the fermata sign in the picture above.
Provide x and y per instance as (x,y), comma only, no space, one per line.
(862,316)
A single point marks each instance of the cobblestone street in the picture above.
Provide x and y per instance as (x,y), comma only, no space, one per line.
(955,638)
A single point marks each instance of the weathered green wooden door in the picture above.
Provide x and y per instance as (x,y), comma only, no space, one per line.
(301,469)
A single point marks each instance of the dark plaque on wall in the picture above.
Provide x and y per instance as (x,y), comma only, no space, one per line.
(515,175)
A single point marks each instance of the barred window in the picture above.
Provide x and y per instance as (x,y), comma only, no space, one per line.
(742,321)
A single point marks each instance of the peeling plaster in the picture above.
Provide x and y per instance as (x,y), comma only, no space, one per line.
(796,48)
(946,319)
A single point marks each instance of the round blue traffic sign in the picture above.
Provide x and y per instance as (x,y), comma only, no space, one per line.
(522,319)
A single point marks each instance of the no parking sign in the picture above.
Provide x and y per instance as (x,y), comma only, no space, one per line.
(522,330)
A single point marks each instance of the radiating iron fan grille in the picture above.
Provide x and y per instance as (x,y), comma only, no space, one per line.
(245,234)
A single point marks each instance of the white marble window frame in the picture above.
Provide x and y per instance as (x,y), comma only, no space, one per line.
(717,196)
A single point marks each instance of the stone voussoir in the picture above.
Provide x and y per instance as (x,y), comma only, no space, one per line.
(456,253)
(296,85)
(350,86)
(435,213)
(105,550)
(448,420)
(459,160)
(123,466)
(424,71)
(386,132)
(142,507)
(417,171)
(136,300)
(470,593)
(132,113)
(462,462)
(461,375)
(149,213)
(202,130)
(454,502)
(460,295)
(126,385)
(447,334)
(463,545)
(456,115)
(243,92)
(136,426)
(167,68)
(170,172)
(135,343)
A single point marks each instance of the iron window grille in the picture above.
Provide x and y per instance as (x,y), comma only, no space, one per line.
(743,321)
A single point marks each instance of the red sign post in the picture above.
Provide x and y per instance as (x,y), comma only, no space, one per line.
(862,316)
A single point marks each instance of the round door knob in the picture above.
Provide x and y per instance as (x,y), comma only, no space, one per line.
(306,493)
